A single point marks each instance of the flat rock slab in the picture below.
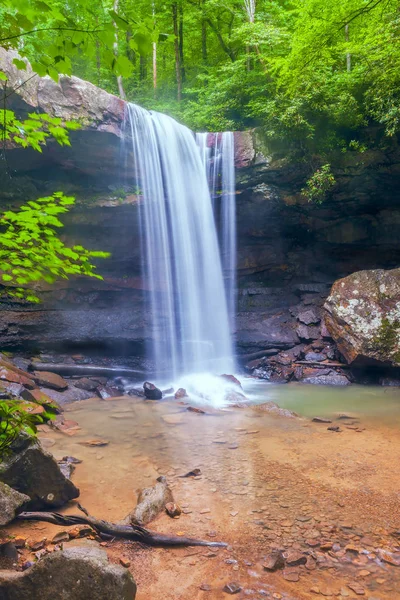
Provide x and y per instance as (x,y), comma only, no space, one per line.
(80,572)
(50,380)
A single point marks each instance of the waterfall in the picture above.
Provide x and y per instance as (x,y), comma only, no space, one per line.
(217,152)
(182,265)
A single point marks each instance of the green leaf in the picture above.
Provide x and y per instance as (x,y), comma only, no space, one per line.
(20,64)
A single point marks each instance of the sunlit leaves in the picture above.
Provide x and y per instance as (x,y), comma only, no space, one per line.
(31,251)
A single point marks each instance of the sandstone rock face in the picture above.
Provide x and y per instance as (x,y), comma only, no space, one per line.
(34,472)
(363,317)
(79,572)
(10,502)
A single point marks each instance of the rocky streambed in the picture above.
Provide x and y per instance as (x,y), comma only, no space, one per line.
(308,508)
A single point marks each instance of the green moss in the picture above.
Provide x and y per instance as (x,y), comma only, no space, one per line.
(386,341)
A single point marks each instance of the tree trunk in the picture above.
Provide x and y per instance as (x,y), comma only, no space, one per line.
(177,53)
(348,55)
(181,56)
(119,78)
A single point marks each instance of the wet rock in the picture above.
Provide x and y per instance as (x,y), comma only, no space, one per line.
(274,561)
(356,588)
(95,443)
(193,473)
(291,575)
(181,393)
(309,317)
(39,397)
(7,374)
(151,502)
(72,394)
(90,385)
(151,392)
(334,379)
(106,392)
(363,317)
(50,380)
(294,559)
(196,410)
(34,472)
(173,510)
(78,572)
(308,332)
(273,408)
(321,420)
(335,428)
(11,502)
(231,379)
(314,357)
(232,588)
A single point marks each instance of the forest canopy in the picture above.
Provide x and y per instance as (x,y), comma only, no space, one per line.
(313,73)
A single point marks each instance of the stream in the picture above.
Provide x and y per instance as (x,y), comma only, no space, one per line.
(266,482)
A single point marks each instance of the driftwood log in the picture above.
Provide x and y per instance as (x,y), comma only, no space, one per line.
(127,532)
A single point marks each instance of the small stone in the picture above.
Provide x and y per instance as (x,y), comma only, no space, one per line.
(62,536)
(27,565)
(294,559)
(364,573)
(38,545)
(19,542)
(314,589)
(173,510)
(389,558)
(95,442)
(289,575)
(233,513)
(321,420)
(335,428)
(380,580)
(356,588)
(274,562)
(205,587)
(204,511)
(232,588)
(125,562)
(233,446)
(276,596)
(212,534)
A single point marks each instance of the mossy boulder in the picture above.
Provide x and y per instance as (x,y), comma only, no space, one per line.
(363,317)
(32,471)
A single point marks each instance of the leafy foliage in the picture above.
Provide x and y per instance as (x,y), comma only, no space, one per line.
(319,184)
(31,251)
(14,420)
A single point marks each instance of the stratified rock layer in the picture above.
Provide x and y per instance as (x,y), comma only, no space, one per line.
(364,317)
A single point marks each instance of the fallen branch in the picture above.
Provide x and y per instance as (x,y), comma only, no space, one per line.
(128,532)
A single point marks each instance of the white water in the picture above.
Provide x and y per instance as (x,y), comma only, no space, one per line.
(217,152)
(181,257)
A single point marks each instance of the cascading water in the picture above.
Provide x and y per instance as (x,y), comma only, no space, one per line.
(181,258)
(217,152)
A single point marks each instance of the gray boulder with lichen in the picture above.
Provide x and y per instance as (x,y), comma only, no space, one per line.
(363,317)
(79,572)
(11,502)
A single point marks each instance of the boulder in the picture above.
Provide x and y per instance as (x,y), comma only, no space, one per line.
(50,380)
(334,379)
(32,471)
(79,572)
(10,502)
(39,397)
(363,317)
(72,394)
(151,392)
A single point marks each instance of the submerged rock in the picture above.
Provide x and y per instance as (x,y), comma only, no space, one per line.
(363,317)
(32,471)
(10,503)
(79,572)
(273,408)
(332,379)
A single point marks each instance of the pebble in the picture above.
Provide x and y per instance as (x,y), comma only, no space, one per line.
(291,576)
(232,588)
(204,511)
(356,588)
(233,513)
(294,559)
(125,562)
(205,587)
(321,420)
(274,561)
